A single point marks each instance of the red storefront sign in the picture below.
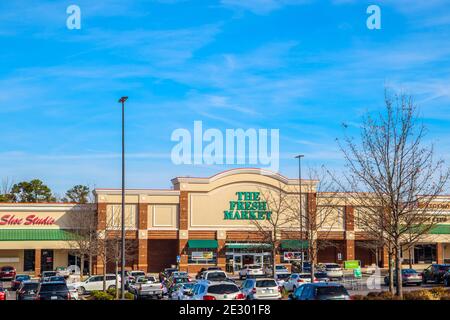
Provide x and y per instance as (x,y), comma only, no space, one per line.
(12,220)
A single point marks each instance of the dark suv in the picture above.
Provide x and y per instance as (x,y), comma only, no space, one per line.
(435,273)
(56,290)
(320,291)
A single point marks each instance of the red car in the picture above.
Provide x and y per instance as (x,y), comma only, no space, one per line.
(2,293)
(7,272)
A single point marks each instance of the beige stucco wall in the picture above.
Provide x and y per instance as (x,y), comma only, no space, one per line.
(13,254)
(163,216)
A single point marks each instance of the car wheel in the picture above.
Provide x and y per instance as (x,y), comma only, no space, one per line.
(82,290)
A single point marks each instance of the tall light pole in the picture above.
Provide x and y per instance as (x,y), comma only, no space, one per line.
(299,157)
(122,251)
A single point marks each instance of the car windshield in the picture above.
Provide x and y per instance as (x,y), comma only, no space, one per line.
(30,286)
(223,289)
(56,278)
(283,276)
(320,275)
(304,276)
(22,278)
(331,265)
(216,276)
(53,287)
(49,273)
(331,291)
(7,268)
(280,268)
(409,271)
(265,283)
(136,274)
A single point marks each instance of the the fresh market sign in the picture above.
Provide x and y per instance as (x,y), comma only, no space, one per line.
(247,206)
(12,220)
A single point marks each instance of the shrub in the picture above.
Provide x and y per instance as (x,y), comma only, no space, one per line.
(358,297)
(439,292)
(419,295)
(100,295)
(128,295)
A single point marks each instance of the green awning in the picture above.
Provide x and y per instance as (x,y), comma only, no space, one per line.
(202,244)
(248,245)
(440,229)
(294,244)
(36,235)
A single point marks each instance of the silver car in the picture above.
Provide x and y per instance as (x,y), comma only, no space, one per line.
(261,289)
(220,290)
(333,270)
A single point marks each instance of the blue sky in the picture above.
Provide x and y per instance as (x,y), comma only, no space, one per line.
(301,66)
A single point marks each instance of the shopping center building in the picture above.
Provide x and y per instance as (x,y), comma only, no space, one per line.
(207,221)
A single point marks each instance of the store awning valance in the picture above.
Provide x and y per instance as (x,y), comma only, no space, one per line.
(36,235)
(202,244)
(294,244)
(247,245)
(440,229)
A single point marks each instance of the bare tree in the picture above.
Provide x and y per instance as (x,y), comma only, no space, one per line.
(83,223)
(278,220)
(317,223)
(397,174)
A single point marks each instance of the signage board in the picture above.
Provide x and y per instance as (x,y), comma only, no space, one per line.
(201,255)
(247,206)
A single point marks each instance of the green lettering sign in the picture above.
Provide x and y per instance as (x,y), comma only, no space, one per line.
(247,206)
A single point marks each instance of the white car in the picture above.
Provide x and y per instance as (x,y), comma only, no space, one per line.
(279,270)
(222,290)
(96,283)
(252,270)
(296,280)
(215,275)
(333,270)
(73,292)
(261,289)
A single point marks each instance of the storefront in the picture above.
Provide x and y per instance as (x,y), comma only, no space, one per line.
(36,237)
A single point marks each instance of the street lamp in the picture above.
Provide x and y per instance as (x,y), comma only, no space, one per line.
(122,251)
(299,157)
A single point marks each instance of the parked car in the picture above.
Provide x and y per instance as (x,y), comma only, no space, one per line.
(435,273)
(321,276)
(142,288)
(200,272)
(409,276)
(333,270)
(447,279)
(18,279)
(279,269)
(73,292)
(320,291)
(62,271)
(215,275)
(7,273)
(252,270)
(27,290)
(131,276)
(282,278)
(221,290)
(96,283)
(165,274)
(53,291)
(296,267)
(180,291)
(2,293)
(45,275)
(296,280)
(56,278)
(261,289)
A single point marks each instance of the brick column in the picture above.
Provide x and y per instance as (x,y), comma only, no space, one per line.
(143,237)
(101,216)
(37,262)
(349,221)
(439,253)
(221,237)
(385,258)
(183,233)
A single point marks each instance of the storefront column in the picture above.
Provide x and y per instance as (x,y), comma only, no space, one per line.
(385,258)
(439,253)
(221,236)
(37,262)
(143,235)
(182,243)
(349,249)
(183,234)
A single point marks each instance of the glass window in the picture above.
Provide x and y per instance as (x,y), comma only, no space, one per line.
(266,283)
(28,260)
(223,289)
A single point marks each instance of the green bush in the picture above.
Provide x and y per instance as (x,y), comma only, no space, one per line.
(128,295)
(100,295)
(440,292)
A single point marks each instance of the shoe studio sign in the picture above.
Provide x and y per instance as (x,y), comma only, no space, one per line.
(247,206)
(32,219)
